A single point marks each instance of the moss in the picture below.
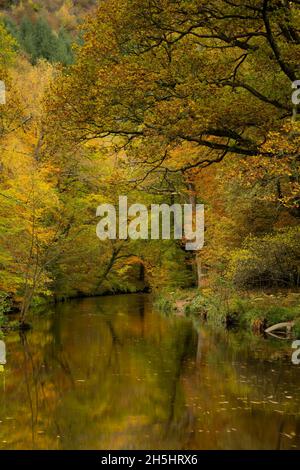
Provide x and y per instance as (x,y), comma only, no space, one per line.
(260,318)
(296,329)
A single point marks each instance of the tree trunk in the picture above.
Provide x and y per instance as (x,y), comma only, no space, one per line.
(199,270)
(193,202)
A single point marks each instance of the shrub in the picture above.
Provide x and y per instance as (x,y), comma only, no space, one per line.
(5,306)
(268,261)
(297,328)
(164,304)
(197,306)
(260,318)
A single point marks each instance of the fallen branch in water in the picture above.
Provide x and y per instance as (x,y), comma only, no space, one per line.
(280,326)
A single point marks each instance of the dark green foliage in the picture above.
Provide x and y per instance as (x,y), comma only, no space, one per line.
(297,328)
(64,51)
(5,307)
(39,41)
(5,304)
(268,261)
(11,26)
(26,39)
(268,316)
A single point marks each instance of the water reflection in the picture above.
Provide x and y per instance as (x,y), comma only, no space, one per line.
(109,373)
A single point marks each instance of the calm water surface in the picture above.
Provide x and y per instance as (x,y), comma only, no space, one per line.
(111,373)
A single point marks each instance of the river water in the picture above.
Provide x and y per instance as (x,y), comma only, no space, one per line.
(111,373)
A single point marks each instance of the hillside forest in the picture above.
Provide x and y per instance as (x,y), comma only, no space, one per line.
(186,101)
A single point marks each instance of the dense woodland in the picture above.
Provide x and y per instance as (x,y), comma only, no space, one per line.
(163,101)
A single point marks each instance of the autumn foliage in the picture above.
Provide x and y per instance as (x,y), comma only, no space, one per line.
(186,101)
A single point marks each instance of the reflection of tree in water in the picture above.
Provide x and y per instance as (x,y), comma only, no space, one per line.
(176,419)
(116,342)
(238,400)
(39,370)
(35,390)
(184,352)
(141,310)
(112,374)
(113,362)
(28,374)
(57,352)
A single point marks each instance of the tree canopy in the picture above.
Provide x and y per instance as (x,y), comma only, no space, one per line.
(186,101)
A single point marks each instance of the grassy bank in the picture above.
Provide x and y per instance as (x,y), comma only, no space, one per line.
(253,311)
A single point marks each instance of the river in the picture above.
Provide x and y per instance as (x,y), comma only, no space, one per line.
(111,373)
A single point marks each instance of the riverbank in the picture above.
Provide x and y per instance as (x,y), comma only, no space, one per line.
(252,311)
(10,311)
